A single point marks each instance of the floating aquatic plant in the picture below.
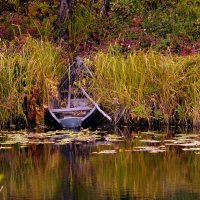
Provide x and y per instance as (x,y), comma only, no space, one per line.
(105,152)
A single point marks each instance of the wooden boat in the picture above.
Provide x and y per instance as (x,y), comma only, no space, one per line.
(74,117)
(78,111)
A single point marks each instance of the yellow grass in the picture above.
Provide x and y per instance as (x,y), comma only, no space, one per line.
(34,64)
(148,85)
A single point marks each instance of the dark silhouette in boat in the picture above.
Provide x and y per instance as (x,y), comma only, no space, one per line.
(76,108)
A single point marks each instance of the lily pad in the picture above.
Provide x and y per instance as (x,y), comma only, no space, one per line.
(191,144)
(8,143)
(150,149)
(169,140)
(191,149)
(6,148)
(158,151)
(24,146)
(47,142)
(172,144)
(187,135)
(105,152)
(114,138)
(147,148)
(150,141)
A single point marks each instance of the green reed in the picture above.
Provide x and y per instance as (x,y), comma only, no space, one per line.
(148,85)
(23,67)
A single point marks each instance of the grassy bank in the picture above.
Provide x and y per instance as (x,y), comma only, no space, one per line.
(28,68)
(142,85)
(149,86)
(131,86)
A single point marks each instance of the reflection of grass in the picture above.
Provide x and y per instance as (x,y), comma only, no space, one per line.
(148,84)
(1,177)
(140,174)
(30,173)
(48,171)
(24,67)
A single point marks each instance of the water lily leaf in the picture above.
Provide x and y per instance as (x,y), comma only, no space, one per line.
(169,140)
(171,144)
(148,133)
(105,152)
(150,141)
(194,143)
(24,146)
(95,152)
(114,138)
(150,149)
(191,149)
(162,146)
(47,142)
(185,136)
(157,151)
(146,148)
(8,143)
(5,148)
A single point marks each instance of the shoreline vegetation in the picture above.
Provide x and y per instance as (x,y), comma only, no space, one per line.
(148,86)
(29,73)
(144,56)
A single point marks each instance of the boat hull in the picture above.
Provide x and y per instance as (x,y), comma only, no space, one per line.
(72,122)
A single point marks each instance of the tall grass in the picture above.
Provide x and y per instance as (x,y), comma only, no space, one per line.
(148,85)
(24,67)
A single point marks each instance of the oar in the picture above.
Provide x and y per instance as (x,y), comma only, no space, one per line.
(94,103)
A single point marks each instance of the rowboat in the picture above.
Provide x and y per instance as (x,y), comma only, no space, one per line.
(79,114)
(79,110)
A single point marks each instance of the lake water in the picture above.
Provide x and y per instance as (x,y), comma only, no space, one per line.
(143,166)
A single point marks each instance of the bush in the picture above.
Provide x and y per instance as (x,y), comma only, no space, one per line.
(163,20)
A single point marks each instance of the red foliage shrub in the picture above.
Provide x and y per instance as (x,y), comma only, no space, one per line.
(137,21)
(15,19)
(3,31)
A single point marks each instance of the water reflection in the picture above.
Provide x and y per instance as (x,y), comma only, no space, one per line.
(73,172)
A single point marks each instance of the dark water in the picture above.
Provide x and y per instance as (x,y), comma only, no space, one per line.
(72,171)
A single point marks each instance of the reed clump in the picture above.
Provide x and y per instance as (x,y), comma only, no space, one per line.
(28,68)
(148,85)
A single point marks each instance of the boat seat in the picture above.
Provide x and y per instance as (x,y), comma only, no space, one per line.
(70,117)
(80,108)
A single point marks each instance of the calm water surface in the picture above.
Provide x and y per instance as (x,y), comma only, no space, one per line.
(74,171)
